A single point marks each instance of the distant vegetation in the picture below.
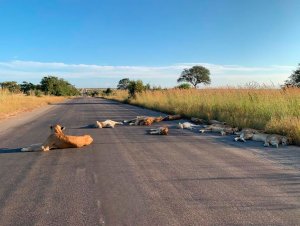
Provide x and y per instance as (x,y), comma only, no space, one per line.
(16,98)
(49,85)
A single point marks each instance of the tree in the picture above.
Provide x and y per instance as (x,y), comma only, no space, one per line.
(294,79)
(26,87)
(147,86)
(52,85)
(123,84)
(195,76)
(184,86)
(12,86)
(135,87)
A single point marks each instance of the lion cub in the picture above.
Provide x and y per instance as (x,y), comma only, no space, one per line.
(58,140)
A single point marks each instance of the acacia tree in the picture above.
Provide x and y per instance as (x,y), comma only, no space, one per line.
(294,79)
(123,84)
(195,76)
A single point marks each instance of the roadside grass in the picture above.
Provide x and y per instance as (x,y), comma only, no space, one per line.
(273,110)
(12,104)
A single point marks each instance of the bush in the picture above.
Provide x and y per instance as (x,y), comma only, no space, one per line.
(135,87)
(38,93)
(184,86)
(95,93)
(107,92)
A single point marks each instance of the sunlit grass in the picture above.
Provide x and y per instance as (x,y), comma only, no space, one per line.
(12,104)
(273,110)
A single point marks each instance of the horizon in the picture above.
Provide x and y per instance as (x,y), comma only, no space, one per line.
(97,43)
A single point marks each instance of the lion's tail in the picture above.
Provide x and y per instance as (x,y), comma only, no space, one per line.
(33,147)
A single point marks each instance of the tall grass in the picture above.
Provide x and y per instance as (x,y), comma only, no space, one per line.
(273,110)
(12,104)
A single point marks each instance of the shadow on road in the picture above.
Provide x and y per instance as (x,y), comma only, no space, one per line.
(10,150)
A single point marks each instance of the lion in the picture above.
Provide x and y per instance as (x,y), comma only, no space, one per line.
(186,125)
(172,117)
(208,122)
(107,124)
(221,128)
(268,139)
(143,120)
(198,120)
(132,121)
(275,140)
(58,140)
(271,139)
(159,131)
(246,134)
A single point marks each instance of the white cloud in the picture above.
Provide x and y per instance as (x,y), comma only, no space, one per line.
(100,76)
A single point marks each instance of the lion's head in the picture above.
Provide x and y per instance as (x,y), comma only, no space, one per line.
(164,131)
(57,128)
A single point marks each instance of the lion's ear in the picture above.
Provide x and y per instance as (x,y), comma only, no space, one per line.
(51,127)
(63,128)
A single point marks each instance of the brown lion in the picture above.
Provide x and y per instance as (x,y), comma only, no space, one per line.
(172,117)
(143,121)
(58,140)
(159,131)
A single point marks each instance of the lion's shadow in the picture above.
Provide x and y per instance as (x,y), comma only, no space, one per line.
(10,150)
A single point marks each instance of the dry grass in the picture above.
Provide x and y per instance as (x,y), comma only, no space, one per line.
(273,110)
(12,104)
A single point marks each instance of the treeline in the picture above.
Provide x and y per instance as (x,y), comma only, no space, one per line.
(49,85)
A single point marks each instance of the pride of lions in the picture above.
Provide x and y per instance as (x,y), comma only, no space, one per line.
(58,140)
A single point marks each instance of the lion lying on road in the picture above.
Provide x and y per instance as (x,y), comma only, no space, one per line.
(58,140)
(246,134)
(203,121)
(220,128)
(186,125)
(172,117)
(143,121)
(159,131)
(268,139)
(107,124)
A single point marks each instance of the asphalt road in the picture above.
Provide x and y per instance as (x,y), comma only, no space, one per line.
(129,178)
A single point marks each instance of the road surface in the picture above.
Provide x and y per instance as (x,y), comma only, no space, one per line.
(129,178)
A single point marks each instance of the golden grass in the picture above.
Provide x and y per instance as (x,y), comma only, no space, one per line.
(12,104)
(273,110)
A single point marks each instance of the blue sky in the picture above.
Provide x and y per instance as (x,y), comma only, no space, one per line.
(96,43)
